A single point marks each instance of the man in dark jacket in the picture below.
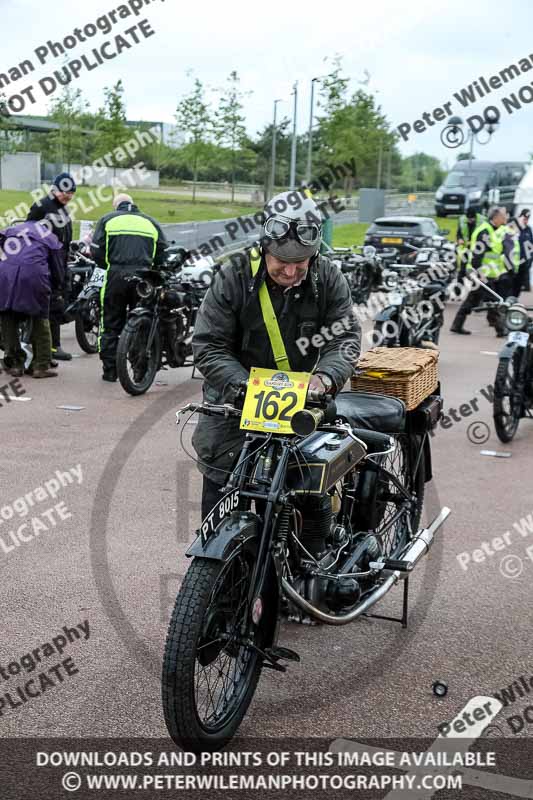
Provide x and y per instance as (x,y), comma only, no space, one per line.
(30,269)
(124,242)
(525,239)
(311,301)
(53,208)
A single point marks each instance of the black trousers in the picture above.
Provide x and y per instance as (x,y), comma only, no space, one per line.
(479,296)
(117,296)
(211,494)
(521,279)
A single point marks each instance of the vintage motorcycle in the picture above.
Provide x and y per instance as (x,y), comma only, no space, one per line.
(362,267)
(316,523)
(85,282)
(157,333)
(513,384)
(415,313)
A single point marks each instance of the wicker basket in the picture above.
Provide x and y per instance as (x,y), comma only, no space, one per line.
(409,373)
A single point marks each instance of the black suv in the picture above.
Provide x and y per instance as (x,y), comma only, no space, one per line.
(397,232)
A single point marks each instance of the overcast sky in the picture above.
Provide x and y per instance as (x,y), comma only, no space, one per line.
(417,54)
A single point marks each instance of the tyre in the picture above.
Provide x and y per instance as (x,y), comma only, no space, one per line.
(394,535)
(86,323)
(381,336)
(209,675)
(136,367)
(508,398)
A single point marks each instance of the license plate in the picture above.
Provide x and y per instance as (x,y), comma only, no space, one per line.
(517,337)
(223,508)
(395,299)
(391,240)
(272,399)
(97,278)
(452,207)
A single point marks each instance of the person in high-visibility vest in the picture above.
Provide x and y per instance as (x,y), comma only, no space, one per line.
(466,226)
(124,241)
(281,306)
(493,254)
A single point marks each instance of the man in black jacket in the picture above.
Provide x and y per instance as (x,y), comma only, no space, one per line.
(53,208)
(124,242)
(311,302)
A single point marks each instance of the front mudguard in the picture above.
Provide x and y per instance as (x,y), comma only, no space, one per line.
(508,350)
(243,529)
(240,528)
(387,313)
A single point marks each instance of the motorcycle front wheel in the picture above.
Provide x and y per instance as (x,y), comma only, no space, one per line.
(136,364)
(508,398)
(209,673)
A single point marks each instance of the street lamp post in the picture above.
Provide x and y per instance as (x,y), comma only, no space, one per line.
(273,156)
(292,178)
(308,173)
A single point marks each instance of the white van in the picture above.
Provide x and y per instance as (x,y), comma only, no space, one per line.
(523,197)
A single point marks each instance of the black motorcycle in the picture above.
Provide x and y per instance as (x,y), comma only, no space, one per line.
(414,314)
(157,333)
(316,526)
(362,268)
(513,385)
(85,281)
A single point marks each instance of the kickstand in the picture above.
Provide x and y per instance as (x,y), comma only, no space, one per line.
(405,608)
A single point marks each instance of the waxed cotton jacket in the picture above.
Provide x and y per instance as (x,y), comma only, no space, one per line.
(31,267)
(317,324)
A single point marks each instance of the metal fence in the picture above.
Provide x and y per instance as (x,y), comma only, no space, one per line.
(215,236)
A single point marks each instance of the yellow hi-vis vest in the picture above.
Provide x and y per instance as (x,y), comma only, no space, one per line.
(492,264)
(270,319)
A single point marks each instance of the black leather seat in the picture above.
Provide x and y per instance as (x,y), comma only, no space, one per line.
(375,412)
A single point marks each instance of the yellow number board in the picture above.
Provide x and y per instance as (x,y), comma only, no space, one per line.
(272,399)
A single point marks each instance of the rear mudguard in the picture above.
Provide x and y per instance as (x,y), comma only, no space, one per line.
(390,312)
(243,529)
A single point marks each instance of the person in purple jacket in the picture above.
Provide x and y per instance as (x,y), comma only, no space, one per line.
(31,267)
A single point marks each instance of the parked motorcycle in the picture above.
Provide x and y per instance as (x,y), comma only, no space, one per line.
(318,526)
(157,333)
(362,268)
(415,314)
(513,385)
(83,304)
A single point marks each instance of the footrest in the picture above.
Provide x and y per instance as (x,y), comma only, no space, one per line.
(393,564)
(277,653)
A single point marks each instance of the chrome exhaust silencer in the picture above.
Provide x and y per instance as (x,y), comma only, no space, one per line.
(416,549)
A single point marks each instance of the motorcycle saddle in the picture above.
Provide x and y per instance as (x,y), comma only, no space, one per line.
(375,412)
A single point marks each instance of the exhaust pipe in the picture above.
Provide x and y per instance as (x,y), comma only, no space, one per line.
(415,551)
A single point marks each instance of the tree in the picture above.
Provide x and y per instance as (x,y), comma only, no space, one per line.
(6,140)
(262,147)
(229,128)
(111,128)
(70,111)
(193,118)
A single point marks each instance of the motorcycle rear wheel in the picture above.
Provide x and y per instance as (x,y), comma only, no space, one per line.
(209,676)
(398,463)
(86,325)
(136,369)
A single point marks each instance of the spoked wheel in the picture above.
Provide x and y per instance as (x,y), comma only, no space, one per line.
(508,399)
(209,672)
(395,528)
(137,364)
(86,325)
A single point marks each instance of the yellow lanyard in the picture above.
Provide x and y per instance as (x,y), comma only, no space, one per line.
(270,320)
